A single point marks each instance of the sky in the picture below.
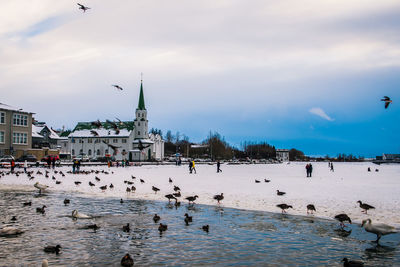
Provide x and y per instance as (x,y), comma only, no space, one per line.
(297,74)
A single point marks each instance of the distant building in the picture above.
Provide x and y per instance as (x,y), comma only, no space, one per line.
(282,155)
(15,130)
(43,136)
(391,157)
(132,142)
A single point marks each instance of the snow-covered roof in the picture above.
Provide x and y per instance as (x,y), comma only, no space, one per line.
(144,141)
(8,107)
(102,133)
(36,130)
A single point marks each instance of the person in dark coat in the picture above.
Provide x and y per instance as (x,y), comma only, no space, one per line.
(218,166)
(308,169)
(48,162)
(190,166)
(311,169)
(53,162)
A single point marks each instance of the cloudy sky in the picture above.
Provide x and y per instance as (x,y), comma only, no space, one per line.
(303,74)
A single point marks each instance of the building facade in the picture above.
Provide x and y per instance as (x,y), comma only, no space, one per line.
(130,140)
(15,131)
(282,155)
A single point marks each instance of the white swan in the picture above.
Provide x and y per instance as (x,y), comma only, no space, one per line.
(9,231)
(379,229)
(77,215)
(41,187)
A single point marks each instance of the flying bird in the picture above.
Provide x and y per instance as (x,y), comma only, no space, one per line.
(94,133)
(114,126)
(114,148)
(118,87)
(387,101)
(84,8)
(97,123)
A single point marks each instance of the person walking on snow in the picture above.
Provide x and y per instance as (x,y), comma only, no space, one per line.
(193,167)
(190,166)
(218,166)
(25,165)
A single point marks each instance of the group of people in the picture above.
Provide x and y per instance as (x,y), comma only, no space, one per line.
(330,165)
(309,169)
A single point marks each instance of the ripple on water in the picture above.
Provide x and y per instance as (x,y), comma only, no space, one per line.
(236,237)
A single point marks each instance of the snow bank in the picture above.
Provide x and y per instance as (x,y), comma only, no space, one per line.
(331,192)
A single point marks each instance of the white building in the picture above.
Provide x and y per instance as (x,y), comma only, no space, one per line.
(130,141)
(282,155)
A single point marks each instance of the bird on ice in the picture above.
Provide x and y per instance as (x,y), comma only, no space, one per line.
(84,8)
(387,101)
(41,187)
(118,87)
(379,229)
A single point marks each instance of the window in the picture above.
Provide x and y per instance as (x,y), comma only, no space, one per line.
(20,120)
(97,140)
(80,151)
(138,133)
(73,152)
(124,141)
(2,117)
(138,123)
(115,140)
(20,138)
(90,140)
(106,141)
(80,140)
(1,137)
(72,140)
(89,152)
(98,152)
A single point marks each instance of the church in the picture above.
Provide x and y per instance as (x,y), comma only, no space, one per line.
(122,140)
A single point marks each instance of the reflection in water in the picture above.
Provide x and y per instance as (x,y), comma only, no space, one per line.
(237,237)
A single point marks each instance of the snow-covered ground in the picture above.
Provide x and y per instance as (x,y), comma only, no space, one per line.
(331,192)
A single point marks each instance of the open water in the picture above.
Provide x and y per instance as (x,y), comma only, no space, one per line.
(236,237)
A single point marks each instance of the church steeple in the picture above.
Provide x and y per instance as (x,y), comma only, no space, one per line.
(141,97)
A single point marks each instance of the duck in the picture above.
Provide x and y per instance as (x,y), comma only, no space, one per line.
(267,181)
(162,228)
(170,196)
(219,197)
(67,201)
(189,218)
(280,193)
(155,189)
(311,207)
(126,228)
(14,218)
(257,181)
(93,226)
(347,263)
(342,218)
(192,198)
(91,184)
(205,228)
(111,186)
(41,210)
(142,181)
(77,215)
(284,207)
(133,188)
(41,187)
(10,231)
(97,178)
(176,188)
(365,206)
(103,188)
(58,182)
(121,201)
(169,180)
(177,194)
(156,218)
(127,260)
(77,182)
(52,249)
(379,229)
(177,203)
(27,203)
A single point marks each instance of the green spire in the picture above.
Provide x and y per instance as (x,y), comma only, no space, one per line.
(141,98)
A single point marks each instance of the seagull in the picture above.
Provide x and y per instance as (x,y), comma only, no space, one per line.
(365,206)
(127,261)
(379,229)
(347,263)
(84,8)
(219,197)
(118,87)
(41,187)
(387,101)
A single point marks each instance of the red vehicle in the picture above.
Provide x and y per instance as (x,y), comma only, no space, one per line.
(57,158)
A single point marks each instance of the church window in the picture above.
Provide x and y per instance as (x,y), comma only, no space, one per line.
(138,133)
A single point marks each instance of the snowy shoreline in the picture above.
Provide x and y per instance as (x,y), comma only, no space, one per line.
(331,192)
